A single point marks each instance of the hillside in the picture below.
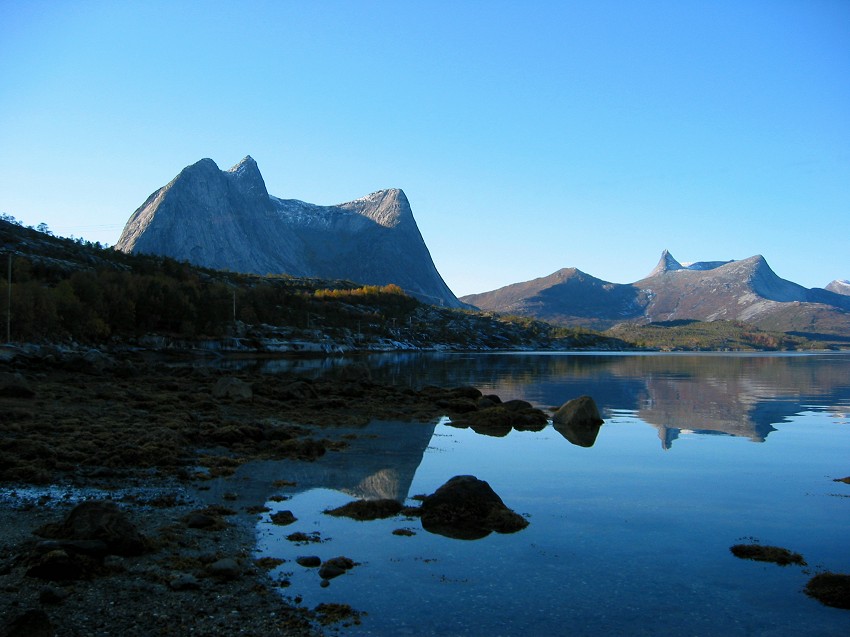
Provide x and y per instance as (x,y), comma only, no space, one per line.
(67,291)
(746,291)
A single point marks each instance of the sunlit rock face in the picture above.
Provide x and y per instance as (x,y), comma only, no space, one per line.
(226,219)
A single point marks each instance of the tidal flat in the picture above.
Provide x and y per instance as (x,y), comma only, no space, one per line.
(636,519)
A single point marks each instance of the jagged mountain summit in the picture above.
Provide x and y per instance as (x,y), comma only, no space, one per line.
(746,290)
(226,219)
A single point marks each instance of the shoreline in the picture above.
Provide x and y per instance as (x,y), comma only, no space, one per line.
(152,438)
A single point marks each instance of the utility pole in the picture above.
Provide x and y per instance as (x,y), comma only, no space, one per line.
(9,304)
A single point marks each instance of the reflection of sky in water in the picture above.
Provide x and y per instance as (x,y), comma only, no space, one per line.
(624,538)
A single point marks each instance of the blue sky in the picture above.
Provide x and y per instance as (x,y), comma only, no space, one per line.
(528,137)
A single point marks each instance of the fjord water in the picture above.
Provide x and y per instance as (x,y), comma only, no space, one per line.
(627,536)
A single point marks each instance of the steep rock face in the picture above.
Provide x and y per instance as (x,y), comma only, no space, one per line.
(227,220)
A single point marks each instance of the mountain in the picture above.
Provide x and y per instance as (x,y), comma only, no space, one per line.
(839,287)
(747,290)
(568,297)
(227,220)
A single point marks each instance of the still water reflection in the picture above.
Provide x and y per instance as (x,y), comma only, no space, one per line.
(626,538)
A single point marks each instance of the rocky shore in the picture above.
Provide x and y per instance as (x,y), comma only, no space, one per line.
(147,437)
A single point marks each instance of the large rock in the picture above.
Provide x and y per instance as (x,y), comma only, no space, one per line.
(467,508)
(489,416)
(99,520)
(578,420)
(14,386)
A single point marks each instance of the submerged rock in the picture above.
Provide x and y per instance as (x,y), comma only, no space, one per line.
(283,518)
(831,589)
(309,561)
(335,567)
(368,509)
(467,508)
(760,553)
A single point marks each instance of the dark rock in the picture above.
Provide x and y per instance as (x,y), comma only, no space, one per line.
(58,566)
(335,567)
(283,518)
(32,623)
(296,390)
(485,402)
(467,508)
(226,569)
(230,387)
(309,561)
(52,595)
(499,419)
(458,405)
(831,589)
(517,405)
(99,520)
(201,520)
(184,582)
(761,553)
(93,548)
(14,386)
(578,420)
(368,509)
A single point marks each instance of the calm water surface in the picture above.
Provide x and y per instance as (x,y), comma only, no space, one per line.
(628,536)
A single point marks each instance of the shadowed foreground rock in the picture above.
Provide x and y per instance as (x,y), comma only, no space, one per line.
(467,508)
(32,623)
(578,421)
(99,520)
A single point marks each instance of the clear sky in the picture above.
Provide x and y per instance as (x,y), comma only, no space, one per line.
(528,136)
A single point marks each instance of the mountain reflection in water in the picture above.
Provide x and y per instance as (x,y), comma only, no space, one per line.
(731,394)
(622,525)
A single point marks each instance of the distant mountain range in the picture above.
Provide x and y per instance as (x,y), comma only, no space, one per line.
(227,220)
(746,290)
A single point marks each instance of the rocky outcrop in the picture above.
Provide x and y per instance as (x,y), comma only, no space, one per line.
(227,220)
(578,421)
(467,508)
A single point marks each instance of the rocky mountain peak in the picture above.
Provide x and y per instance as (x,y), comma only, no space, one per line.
(387,208)
(227,220)
(247,178)
(665,264)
